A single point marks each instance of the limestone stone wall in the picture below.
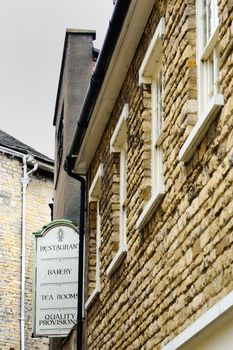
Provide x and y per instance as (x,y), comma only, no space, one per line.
(39,194)
(180,263)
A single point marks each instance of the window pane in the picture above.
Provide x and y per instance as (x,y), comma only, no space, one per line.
(214,16)
(123,175)
(209,20)
(158,114)
(210,75)
(158,171)
(207,47)
(159,102)
(157,123)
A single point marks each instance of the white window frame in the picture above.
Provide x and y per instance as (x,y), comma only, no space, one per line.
(94,196)
(212,319)
(118,144)
(209,103)
(149,73)
(157,133)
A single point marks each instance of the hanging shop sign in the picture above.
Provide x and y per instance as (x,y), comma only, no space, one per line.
(55,279)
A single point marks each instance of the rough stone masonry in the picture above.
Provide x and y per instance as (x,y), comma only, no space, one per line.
(180,263)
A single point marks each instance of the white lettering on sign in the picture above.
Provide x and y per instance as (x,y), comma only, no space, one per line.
(56,281)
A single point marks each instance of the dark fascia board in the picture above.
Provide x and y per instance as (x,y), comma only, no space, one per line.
(114,29)
(69,32)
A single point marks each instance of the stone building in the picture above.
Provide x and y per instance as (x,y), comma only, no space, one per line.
(26,190)
(76,68)
(78,61)
(154,141)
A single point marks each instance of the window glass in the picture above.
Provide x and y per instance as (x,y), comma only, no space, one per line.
(207,51)
(157,123)
(209,19)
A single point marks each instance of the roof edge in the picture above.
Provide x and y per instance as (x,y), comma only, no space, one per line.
(81,32)
(42,164)
(113,33)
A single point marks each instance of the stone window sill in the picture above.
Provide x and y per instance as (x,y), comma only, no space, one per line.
(201,127)
(117,260)
(92,297)
(150,207)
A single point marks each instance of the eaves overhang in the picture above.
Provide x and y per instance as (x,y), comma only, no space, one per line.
(43,164)
(98,105)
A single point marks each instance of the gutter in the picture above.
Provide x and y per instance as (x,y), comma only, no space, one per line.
(24,181)
(81,256)
(97,79)
(115,26)
(41,165)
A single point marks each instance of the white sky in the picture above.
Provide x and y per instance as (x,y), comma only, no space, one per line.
(32,35)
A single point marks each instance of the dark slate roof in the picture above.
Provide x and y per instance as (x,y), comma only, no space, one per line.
(12,143)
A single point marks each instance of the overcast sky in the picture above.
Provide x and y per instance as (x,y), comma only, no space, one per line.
(32,35)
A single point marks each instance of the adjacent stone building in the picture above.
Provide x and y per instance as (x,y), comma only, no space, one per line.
(76,68)
(154,141)
(22,169)
(78,60)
